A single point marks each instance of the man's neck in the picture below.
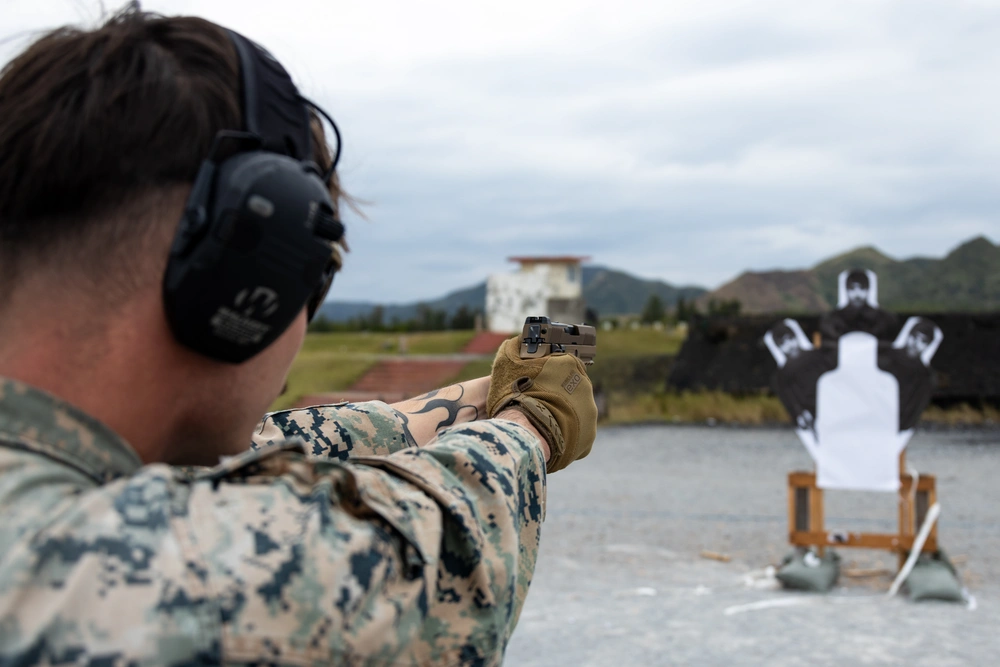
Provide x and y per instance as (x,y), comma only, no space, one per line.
(107,370)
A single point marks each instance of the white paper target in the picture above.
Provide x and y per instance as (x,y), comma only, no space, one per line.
(857,439)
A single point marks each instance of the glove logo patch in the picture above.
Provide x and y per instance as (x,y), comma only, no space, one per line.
(572,382)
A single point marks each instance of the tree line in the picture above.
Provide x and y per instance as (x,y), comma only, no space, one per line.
(655,311)
(426,319)
(464,318)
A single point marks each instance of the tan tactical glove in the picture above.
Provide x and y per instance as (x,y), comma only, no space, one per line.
(554,393)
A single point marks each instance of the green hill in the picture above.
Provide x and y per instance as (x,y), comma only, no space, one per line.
(772,291)
(612,292)
(967,279)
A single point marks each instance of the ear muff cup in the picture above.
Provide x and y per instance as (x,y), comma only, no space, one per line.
(251,250)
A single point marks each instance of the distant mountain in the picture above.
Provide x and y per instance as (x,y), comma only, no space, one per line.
(473,298)
(612,292)
(607,291)
(967,279)
(772,291)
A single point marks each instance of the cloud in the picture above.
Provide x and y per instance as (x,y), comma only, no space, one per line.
(685,140)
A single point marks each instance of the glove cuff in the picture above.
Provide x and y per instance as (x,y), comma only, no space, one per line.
(543,420)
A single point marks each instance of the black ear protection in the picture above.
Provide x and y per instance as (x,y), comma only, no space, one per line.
(255,243)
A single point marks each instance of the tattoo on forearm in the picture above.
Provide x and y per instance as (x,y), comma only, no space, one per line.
(431,394)
(453,407)
(406,426)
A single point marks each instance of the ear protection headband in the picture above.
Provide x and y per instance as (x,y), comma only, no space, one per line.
(254,245)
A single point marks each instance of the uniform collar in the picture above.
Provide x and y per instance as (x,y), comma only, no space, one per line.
(33,420)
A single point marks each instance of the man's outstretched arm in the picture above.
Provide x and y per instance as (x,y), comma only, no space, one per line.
(374,428)
(423,416)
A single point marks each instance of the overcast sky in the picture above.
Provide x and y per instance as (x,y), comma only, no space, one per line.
(681,140)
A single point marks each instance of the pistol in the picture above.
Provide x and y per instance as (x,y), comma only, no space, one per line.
(541,337)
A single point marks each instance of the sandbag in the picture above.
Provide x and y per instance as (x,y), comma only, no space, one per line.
(805,570)
(934,578)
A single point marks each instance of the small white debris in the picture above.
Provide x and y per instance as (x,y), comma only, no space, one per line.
(763,580)
(766,604)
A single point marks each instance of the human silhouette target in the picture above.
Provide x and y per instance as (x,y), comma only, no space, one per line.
(855,399)
(857,308)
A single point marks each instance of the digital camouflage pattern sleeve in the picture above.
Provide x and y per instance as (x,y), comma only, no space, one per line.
(338,431)
(276,556)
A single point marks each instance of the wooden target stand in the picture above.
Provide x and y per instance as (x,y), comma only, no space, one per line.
(805,514)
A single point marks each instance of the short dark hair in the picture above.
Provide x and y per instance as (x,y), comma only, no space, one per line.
(91,119)
(859,276)
(923,326)
(782,331)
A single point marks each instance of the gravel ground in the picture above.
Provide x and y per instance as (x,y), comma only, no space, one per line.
(620,580)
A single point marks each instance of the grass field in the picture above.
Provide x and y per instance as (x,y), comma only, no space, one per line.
(961,415)
(614,345)
(321,371)
(699,407)
(637,342)
(335,361)
(434,342)
(473,370)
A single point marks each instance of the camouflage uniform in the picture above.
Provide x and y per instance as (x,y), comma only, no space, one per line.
(342,544)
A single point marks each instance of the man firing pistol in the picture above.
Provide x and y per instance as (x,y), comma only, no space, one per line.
(168,226)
